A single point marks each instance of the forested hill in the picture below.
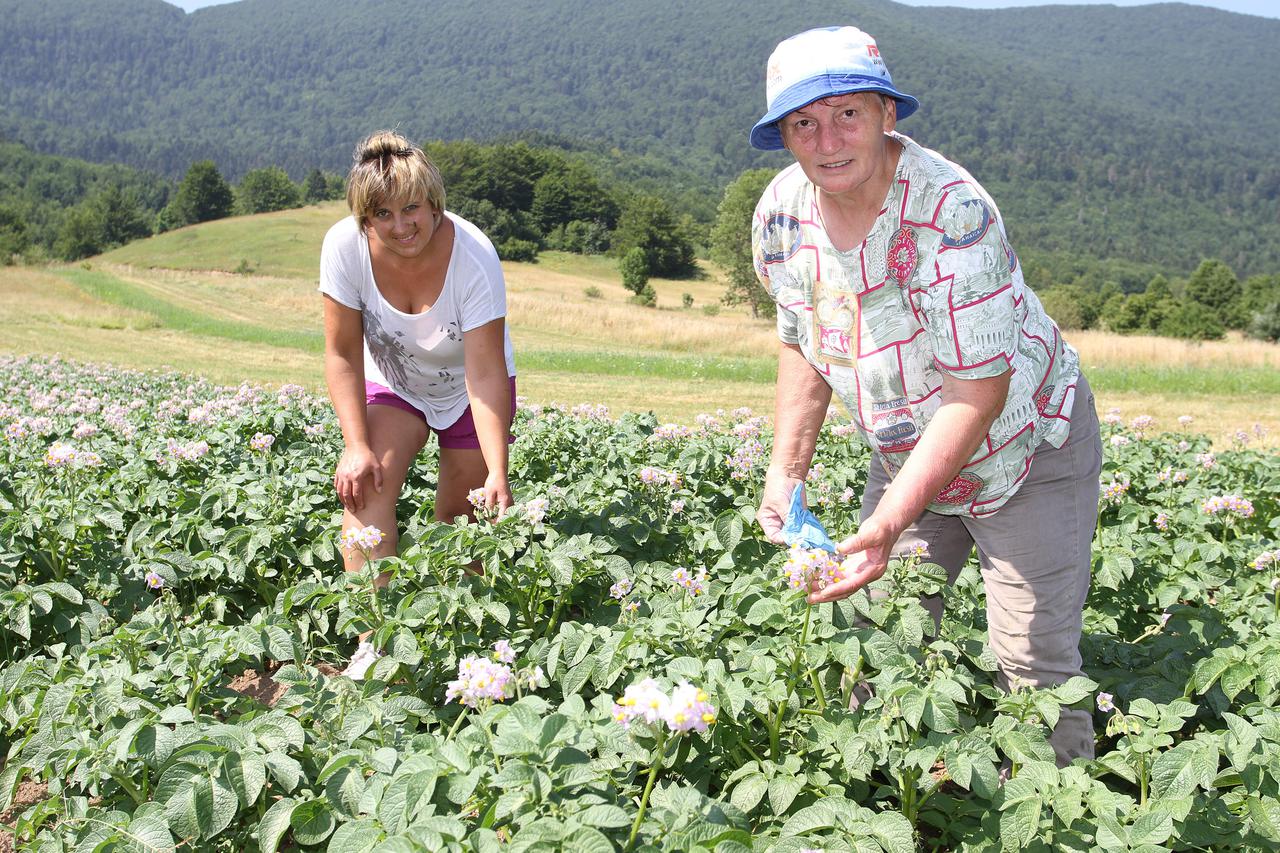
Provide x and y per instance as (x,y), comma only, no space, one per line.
(1139,133)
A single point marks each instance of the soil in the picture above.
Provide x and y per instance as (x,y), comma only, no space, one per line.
(29,793)
(259,686)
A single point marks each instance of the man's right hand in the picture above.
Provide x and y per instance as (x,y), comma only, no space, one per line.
(775,500)
(356,469)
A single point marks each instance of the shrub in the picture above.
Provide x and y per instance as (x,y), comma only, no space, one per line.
(516,249)
(634,267)
(687,300)
(648,297)
(1191,321)
(1265,324)
(593,292)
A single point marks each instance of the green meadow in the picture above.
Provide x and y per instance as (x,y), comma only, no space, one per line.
(235,300)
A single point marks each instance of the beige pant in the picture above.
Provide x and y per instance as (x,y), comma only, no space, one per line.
(1035,558)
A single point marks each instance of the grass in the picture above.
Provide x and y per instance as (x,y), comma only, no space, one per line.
(174,300)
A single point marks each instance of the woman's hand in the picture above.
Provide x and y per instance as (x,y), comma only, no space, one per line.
(870,549)
(775,501)
(357,469)
(497,493)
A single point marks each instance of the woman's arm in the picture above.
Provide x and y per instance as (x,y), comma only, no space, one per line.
(489,392)
(801,397)
(969,406)
(344,375)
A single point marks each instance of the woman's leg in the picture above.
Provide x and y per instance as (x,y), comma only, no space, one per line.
(396,437)
(461,470)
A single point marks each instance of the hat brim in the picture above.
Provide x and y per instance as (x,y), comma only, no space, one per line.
(766,136)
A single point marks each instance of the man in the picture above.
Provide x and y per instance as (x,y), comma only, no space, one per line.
(897,290)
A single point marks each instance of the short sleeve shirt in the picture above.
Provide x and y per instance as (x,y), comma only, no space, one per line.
(934,289)
(419,356)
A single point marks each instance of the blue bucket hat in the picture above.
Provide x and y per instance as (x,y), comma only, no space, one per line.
(818,64)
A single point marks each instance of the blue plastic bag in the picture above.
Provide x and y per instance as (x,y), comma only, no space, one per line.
(802,527)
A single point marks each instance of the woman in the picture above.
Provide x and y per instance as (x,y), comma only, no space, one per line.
(897,290)
(415,343)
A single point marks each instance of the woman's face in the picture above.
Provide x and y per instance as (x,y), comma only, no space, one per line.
(405,227)
(839,141)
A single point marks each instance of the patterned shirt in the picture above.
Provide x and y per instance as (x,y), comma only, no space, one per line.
(934,289)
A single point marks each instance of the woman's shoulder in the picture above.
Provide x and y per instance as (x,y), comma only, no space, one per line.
(473,247)
(471,238)
(784,192)
(343,236)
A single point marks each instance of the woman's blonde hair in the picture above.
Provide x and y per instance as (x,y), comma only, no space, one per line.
(389,168)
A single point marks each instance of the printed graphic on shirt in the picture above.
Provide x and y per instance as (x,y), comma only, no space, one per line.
(893,425)
(835,313)
(781,238)
(967,224)
(961,490)
(901,262)
(388,352)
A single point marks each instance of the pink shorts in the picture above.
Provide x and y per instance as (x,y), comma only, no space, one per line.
(460,435)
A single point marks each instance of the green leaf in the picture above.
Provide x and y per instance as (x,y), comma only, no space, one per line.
(604,815)
(763,610)
(312,822)
(155,744)
(728,530)
(1264,812)
(246,774)
(748,792)
(358,836)
(146,834)
(1179,771)
(1020,824)
(274,824)
(201,808)
(284,769)
(783,789)
(1151,828)
(893,831)
(1207,671)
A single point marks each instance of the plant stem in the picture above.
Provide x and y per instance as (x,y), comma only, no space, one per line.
(648,789)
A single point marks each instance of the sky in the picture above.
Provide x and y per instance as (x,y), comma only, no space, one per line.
(1265,8)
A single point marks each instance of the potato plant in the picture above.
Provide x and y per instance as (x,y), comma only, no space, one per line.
(632,670)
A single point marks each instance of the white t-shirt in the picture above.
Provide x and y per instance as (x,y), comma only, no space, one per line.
(419,356)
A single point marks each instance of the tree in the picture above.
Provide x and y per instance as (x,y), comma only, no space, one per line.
(731,241)
(1216,287)
(647,222)
(202,195)
(315,187)
(1264,325)
(111,217)
(1190,320)
(634,267)
(570,193)
(264,190)
(14,235)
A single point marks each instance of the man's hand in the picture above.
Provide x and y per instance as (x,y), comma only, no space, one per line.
(775,500)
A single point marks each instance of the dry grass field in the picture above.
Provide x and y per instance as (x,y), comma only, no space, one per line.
(177,301)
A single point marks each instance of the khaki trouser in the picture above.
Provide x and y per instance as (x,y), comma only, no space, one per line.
(1035,557)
